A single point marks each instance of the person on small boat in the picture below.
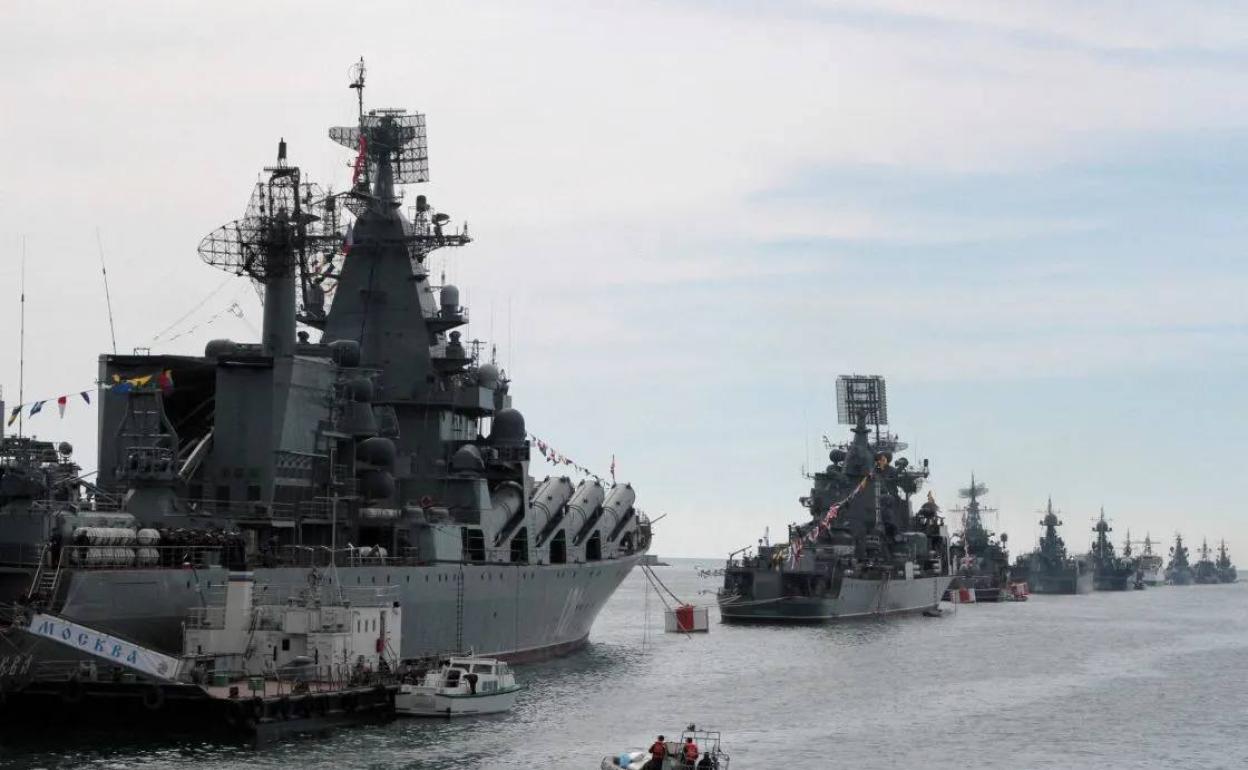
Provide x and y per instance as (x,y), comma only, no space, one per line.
(707,762)
(658,750)
(691,752)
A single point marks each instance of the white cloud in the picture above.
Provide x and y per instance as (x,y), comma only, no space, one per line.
(608,157)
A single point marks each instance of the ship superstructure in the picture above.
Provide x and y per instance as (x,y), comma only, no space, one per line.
(1178,571)
(387,448)
(1111,572)
(1204,571)
(1226,570)
(981,558)
(1151,565)
(862,550)
(1049,569)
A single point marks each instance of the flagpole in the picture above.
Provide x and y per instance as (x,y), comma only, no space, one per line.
(107,297)
(21,356)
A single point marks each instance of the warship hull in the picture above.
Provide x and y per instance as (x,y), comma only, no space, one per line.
(986,588)
(1154,576)
(515,612)
(857,598)
(1065,582)
(1114,582)
(1179,577)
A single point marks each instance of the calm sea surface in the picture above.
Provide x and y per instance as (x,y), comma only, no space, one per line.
(1151,679)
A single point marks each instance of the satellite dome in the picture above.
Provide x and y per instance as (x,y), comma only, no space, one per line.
(467,460)
(487,376)
(65,448)
(508,426)
(218,348)
(450,296)
(376,451)
(837,455)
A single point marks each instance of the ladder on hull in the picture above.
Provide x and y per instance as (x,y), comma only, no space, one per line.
(47,580)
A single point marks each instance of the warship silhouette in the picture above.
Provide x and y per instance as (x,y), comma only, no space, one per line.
(1151,565)
(1110,572)
(1226,570)
(1179,571)
(1049,569)
(1204,571)
(1138,581)
(385,455)
(982,561)
(862,551)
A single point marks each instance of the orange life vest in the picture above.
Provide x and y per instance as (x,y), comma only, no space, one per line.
(691,751)
(659,749)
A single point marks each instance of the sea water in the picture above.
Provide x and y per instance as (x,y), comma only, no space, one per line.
(1136,679)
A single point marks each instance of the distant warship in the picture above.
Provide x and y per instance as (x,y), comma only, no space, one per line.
(1178,571)
(1204,571)
(35,476)
(1111,573)
(1226,570)
(983,564)
(1128,555)
(385,455)
(862,551)
(1049,570)
(1151,565)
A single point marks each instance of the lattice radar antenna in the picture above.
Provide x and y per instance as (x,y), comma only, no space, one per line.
(859,394)
(399,138)
(290,229)
(389,133)
(976,490)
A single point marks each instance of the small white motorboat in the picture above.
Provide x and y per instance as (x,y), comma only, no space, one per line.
(459,686)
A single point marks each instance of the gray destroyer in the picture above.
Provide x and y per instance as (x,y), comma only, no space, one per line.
(863,551)
(983,563)
(1050,569)
(384,456)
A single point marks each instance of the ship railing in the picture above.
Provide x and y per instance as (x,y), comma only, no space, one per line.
(97,504)
(300,679)
(322,556)
(270,602)
(241,509)
(102,557)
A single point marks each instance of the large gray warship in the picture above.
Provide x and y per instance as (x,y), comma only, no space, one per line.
(1050,569)
(1178,571)
(982,561)
(1111,572)
(1205,571)
(863,551)
(385,456)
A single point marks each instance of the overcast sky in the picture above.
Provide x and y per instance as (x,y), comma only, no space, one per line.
(690,217)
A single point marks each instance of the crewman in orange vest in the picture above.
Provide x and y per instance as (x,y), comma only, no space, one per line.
(691,752)
(658,750)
